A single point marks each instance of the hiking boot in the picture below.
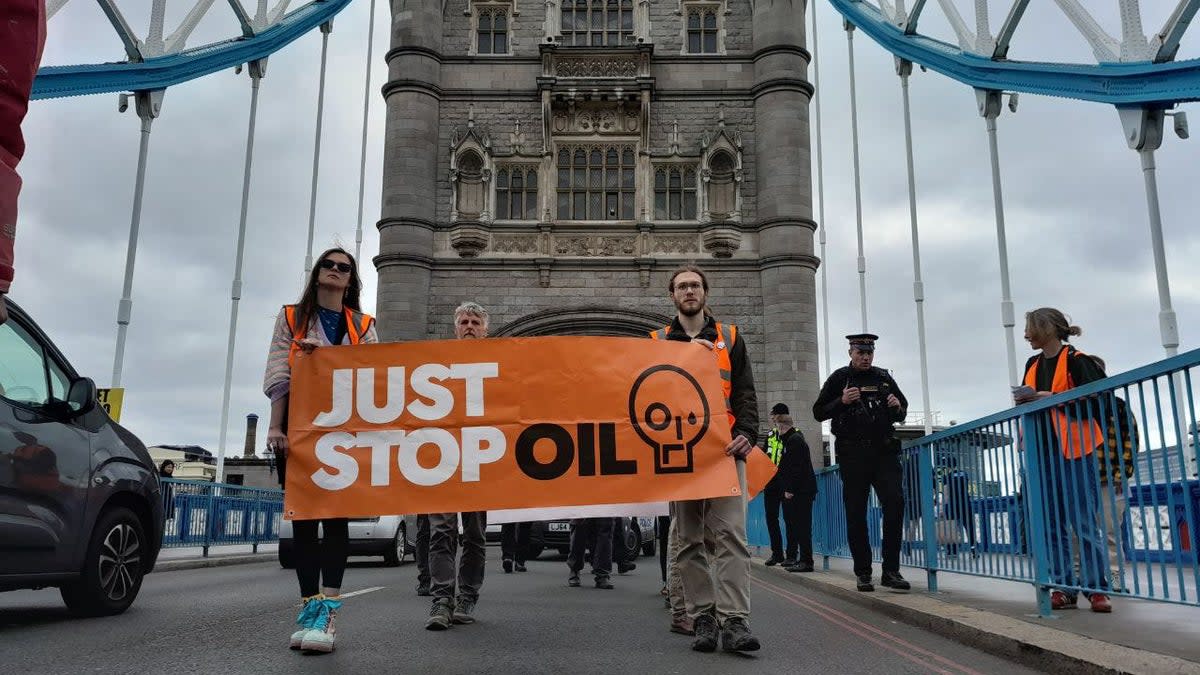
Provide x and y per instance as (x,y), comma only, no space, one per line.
(423,589)
(864,583)
(306,619)
(1100,603)
(682,625)
(801,567)
(623,567)
(321,638)
(508,565)
(704,627)
(736,637)
(573,580)
(441,615)
(520,567)
(1062,600)
(894,581)
(604,582)
(464,611)
(774,560)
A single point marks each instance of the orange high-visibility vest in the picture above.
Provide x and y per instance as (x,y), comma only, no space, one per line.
(1076,438)
(727,333)
(357,324)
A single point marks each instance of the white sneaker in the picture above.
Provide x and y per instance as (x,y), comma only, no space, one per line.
(321,638)
(309,612)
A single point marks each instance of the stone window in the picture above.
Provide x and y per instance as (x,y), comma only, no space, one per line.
(596,182)
(674,193)
(722,191)
(596,23)
(517,193)
(492,31)
(703,27)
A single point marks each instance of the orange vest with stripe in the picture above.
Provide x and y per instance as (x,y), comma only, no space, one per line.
(357,324)
(728,334)
(1076,438)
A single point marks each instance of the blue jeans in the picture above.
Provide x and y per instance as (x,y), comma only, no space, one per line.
(1073,501)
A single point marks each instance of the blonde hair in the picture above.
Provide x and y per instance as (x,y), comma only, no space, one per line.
(1050,322)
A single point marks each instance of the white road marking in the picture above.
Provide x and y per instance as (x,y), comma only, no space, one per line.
(362,592)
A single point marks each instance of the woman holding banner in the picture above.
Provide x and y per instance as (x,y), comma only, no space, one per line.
(328,313)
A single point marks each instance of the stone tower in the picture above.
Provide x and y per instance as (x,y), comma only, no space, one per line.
(555,160)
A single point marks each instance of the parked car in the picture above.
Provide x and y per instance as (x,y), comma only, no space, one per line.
(81,506)
(556,534)
(385,536)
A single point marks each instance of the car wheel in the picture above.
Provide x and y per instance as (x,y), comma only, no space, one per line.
(649,548)
(395,555)
(287,554)
(633,541)
(113,569)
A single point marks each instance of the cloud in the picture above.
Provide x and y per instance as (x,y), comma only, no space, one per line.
(1074,203)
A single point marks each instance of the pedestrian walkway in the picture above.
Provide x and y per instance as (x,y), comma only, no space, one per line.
(994,608)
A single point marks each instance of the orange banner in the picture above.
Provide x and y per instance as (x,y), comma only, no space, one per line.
(472,425)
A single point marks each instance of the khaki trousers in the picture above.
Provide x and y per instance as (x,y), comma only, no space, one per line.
(714,561)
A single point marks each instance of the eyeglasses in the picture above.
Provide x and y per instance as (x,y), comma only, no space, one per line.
(689,286)
(328,264)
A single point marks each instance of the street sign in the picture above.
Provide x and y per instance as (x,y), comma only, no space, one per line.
(111,399)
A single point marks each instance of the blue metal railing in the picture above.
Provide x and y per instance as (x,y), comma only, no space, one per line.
(202,514)
(1091,490)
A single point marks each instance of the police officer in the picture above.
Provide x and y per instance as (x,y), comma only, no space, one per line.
(864,402)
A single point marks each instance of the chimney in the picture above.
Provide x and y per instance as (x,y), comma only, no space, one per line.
(251,434)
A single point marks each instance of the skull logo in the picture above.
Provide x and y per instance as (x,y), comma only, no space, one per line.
(668,410)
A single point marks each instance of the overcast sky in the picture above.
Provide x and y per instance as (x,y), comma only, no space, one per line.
(1075,206)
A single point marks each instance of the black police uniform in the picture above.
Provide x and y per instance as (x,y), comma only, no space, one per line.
(867,454)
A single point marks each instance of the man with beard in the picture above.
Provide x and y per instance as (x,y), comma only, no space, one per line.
(718,599)
(470,322)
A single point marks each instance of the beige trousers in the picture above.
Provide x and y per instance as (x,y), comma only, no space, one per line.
(714,561)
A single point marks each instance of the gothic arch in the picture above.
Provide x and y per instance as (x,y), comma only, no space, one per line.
(603,321)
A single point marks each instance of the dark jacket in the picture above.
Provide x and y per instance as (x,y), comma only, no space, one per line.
(795,472)
(743,398)
(852,423)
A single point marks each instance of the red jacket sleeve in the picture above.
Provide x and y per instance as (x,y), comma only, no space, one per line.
(22,36)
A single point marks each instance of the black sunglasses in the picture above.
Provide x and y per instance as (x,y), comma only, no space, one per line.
(328,264)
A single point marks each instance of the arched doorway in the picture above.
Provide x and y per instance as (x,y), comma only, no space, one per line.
(604,321)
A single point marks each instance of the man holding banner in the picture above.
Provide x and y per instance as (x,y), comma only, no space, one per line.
(720,600)
(470,322)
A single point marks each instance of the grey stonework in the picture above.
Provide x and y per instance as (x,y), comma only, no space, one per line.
(542,276)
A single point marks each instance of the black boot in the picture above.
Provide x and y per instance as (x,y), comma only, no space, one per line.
(864,583)
(775,559)
(894,581)
(736,637)
(573,580)
(705,626)
(508,564)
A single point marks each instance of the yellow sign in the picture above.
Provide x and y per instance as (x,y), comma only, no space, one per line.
(110,400)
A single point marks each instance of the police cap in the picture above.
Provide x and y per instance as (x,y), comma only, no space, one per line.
(863,342)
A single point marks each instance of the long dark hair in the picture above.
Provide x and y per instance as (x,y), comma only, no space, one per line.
(306,309)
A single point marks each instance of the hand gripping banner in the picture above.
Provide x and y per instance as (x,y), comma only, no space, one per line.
(503,423)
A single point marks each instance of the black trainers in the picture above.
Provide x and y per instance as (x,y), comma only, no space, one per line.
(706,633)
(520,567)
(788,562)
(464,611)
(894,581)
(423,590)
(736,637)
(864,583)
(623,567)
(801,567)
(774,560)
(573,580)
(441,615)
(604,582)
(507,563)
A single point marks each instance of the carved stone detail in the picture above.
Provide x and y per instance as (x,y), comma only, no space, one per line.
(722,241)
(597,66)
(469,239)
(515,243)
(675,243)
(595,246)
(595,118)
